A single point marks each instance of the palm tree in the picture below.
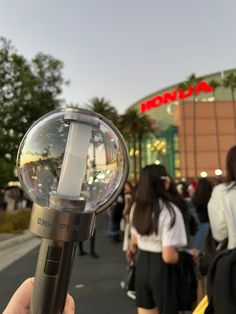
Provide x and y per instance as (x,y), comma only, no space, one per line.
(129,125)
(183,87)
(230,82)
(104,107)
(193,80)
(215,84)
(145,127)
(134,126)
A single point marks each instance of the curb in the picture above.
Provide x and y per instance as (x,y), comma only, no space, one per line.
(16,240)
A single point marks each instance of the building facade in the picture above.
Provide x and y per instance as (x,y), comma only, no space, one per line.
(195,125)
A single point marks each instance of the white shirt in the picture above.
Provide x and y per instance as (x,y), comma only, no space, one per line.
(222,213)
(175,236)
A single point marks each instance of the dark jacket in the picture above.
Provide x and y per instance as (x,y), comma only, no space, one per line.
(180,285)
(221,284)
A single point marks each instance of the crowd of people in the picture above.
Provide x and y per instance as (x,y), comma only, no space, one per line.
(166,227)
(12,198)
(167,219)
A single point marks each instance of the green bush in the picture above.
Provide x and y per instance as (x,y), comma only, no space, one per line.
(14,222)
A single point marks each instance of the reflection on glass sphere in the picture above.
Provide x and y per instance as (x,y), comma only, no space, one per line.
(42,167)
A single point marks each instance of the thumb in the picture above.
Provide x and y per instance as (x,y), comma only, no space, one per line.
(69,306)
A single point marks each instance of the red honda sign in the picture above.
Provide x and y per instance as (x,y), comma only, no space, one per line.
(174,95)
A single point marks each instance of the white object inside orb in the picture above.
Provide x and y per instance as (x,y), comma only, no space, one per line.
(75,160)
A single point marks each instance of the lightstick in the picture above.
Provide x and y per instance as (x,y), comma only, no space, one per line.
(72,163)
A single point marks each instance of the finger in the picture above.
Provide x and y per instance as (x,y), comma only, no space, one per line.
(21,298)
(69,306)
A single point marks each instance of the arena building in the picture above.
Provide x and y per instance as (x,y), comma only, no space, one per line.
(195,125)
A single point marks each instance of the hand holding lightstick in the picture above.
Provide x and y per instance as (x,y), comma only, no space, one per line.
(72,163)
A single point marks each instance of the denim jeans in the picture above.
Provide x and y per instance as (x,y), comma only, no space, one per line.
(201,235)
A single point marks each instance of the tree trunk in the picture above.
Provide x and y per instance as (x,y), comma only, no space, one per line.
(234,111)
(140,152)
(194,137)
(185,140)
(217,133)
(135,160)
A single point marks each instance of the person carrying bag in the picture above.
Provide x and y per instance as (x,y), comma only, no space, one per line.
(157,233)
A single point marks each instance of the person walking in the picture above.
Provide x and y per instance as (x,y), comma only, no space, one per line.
(128,196)
(222,205)
(192,216)
(221,285)
(115,213)
(82,252)
(157,232)
(200,200)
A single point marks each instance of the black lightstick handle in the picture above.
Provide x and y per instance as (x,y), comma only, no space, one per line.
(52,276)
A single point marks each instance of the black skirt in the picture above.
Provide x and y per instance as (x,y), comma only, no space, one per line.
(148,281)
(155,283)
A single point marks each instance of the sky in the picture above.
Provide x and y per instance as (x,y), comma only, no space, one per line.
(124,50)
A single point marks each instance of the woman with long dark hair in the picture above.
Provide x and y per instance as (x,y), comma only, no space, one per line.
(157,231)
(222,216)
(222,205)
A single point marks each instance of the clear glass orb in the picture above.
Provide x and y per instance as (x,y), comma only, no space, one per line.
(76,154)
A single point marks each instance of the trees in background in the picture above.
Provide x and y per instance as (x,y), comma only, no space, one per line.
(183,86)
(192,81)
(145,127)
(134,126)
(28,90)
(215,84)
(104,107)
(230,82)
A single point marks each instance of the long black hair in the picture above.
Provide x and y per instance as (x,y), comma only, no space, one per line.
(202,194)
(231,165)
(150,191)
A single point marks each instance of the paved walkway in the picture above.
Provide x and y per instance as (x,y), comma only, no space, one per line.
(95,283)
(6,236)
(12,249)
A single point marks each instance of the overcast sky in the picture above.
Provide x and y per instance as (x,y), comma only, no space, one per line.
(124,50)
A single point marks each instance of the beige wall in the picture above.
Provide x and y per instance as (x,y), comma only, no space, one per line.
(206,139)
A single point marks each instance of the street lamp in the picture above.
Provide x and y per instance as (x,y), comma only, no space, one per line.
(203,174)
(218,172)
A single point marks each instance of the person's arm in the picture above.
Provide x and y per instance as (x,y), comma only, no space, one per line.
(132,248)
(172,237)
(216,215)
(21,299)
(127,207)
(170,255)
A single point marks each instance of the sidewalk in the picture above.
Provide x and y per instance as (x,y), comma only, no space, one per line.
(10,239)
(6,236)
(13,247)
